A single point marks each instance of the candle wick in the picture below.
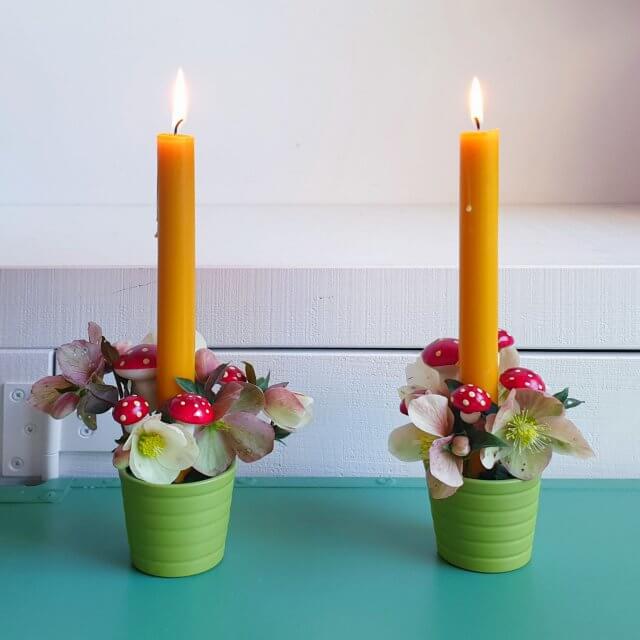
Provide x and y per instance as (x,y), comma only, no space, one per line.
(175,129)
(476,120)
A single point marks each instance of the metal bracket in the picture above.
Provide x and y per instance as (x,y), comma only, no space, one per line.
(32,441)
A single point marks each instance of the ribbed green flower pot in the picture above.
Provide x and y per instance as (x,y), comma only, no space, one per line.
(487,525)
(177,530)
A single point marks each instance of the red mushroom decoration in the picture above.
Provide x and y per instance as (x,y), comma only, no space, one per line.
(505,339)
(441,353)
(139,363)
(233,374)
(130,410)
(509,356)
(471,401)
(189,410)
(521,378)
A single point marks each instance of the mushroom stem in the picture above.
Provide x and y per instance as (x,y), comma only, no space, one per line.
(147,389)
(470,418)
(182,475)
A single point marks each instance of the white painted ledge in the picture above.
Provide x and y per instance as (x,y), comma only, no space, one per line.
(317,236)
(572,307)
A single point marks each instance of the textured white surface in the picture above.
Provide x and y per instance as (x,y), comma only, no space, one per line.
(306,236)
(312,120)
(319,102)
(356,407)
(22,365)
(545,308)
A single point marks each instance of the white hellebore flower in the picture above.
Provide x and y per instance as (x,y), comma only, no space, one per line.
(421,377)
(533,425)
(428,437)
(159,451)
(288,410)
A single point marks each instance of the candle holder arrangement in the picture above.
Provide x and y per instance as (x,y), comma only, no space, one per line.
(483,457)
(176,461)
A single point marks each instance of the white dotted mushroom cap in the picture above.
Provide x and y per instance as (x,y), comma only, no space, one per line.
(190,408)
(130,410)
(138,363)
(470,398)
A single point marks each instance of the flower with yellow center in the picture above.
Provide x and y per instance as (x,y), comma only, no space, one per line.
(159,451)
(151,445)
(428,438)
(534,425)
(524,432)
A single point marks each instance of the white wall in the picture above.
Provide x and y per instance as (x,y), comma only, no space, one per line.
(344,336)
(327,136)
(319,101)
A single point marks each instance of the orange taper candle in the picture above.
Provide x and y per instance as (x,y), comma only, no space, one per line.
(176,254)
(479,252)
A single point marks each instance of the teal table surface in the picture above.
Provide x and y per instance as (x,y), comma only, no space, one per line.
(323,562)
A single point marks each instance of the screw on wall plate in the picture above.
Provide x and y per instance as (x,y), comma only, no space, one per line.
(17,463)
(85,432)
(17,395)
(29,429)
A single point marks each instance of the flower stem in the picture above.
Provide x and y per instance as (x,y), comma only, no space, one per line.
(182,475)
(472,465)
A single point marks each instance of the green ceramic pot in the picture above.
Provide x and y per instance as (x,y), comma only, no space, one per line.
(177,530)
(487,525)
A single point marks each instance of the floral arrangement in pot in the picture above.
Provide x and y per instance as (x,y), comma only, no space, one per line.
(483,457)
(185,449)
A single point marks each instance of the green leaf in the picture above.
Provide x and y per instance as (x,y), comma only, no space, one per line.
(99,397)
(83,412)
(562,395)
(250,372)
(263,382)
(482,439)
(106,392)
(452,385)
(187,385)
(281,434)
(569,403)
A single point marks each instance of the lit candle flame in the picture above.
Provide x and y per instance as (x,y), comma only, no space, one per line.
(475,103)
(179,102)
